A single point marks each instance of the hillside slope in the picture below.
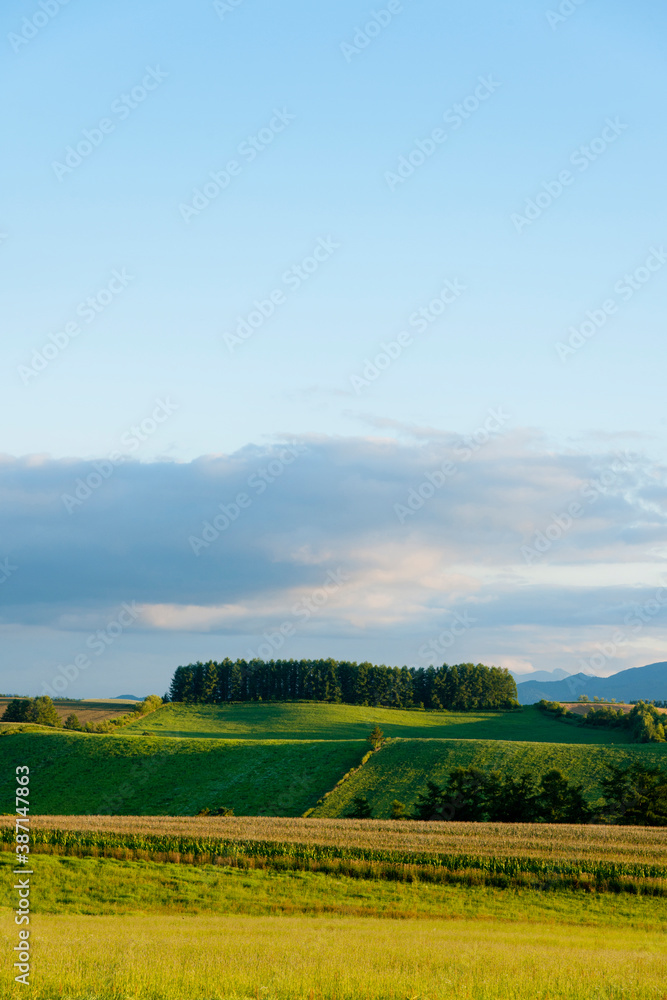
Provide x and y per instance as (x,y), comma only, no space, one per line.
(401,768)
(326,721)
(74,773)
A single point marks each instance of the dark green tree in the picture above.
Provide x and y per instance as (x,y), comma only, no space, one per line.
(431,804)
(636,795)
(360,808)
(72,721)
(512,800)
(397,810)
(17,710)
(467,794)
(559,802)
(209,684)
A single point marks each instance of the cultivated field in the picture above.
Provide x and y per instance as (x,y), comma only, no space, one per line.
(135,775)
(400,769)
(86,711)
(537,840)
(160,904)
(323,721)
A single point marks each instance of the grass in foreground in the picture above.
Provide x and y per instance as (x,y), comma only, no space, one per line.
(325,721)
(284,958)
(81,773)
(104,887)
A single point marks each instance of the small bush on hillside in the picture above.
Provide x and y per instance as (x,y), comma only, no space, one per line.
(376,738)
(72,722)
(149,704)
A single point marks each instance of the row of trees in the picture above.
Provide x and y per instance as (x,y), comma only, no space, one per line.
(457,688)
(635,795)
(644,723)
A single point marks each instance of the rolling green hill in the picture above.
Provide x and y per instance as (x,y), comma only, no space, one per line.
(400,769)
(325,721)
(281,758)
(74,773)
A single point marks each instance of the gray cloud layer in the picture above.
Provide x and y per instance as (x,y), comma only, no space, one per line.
(421,529)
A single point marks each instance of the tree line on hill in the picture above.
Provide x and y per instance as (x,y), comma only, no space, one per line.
(644,723)
(633,796)
(43,712)
(461,687)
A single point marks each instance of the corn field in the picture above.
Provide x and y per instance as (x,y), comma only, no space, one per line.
(355,862)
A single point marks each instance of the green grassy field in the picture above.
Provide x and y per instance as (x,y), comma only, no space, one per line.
(80,773)
(132,773)
(400,769)
(112,930)
(96,886)
(323,721)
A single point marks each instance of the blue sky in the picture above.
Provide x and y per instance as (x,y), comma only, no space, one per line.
(473,199)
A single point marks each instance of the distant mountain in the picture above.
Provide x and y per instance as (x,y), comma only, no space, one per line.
(128,697)
(540,675)
(647,683)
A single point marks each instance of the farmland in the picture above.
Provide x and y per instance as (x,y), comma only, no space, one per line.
(269,904)
(80,773)
(398,771)
(466,868)
(643,845)
(299,754)
(291,934)
(99,710)
(325,721)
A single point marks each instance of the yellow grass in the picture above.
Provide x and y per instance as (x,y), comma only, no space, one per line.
(619,843)
(296,958)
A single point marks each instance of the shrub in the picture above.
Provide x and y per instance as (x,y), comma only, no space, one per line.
(376,738)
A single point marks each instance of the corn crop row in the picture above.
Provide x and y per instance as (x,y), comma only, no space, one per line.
(295,855)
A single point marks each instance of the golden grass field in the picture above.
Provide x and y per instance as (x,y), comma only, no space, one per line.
(620,843)
(301,958)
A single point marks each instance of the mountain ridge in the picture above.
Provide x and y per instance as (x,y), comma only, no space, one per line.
(645,683)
